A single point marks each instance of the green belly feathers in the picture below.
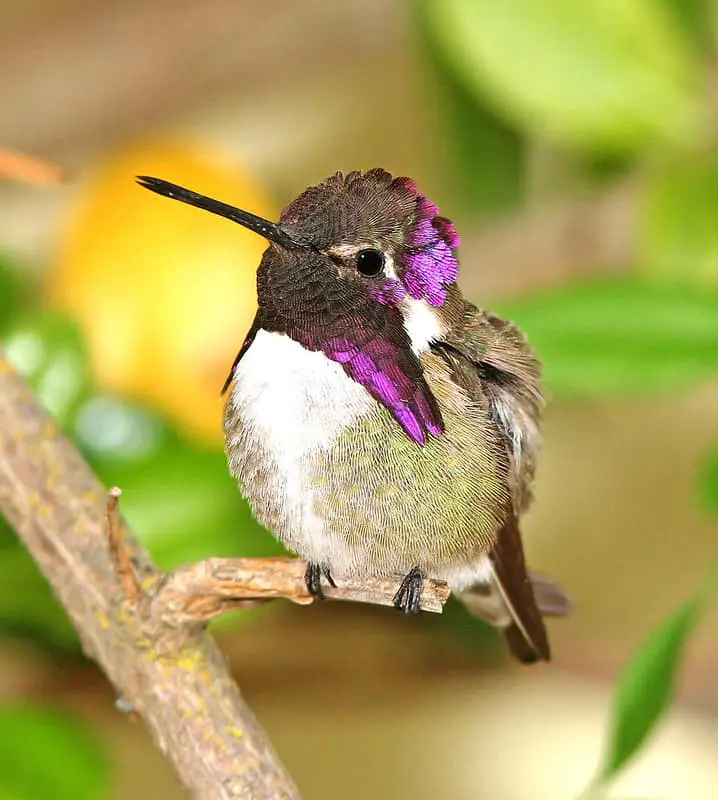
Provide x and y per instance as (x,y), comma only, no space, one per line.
(435,504)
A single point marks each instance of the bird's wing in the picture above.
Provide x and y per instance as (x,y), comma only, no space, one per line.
(491,357)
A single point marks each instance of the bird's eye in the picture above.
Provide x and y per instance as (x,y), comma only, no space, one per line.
(369,263)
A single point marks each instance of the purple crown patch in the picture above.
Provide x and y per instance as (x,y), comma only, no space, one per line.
(429,264)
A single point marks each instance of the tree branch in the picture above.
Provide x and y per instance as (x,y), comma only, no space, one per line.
(144,628)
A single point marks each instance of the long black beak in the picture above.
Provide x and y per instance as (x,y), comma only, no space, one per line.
(269,230)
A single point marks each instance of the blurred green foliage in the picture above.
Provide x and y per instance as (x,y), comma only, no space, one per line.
(47,756)
(680,230)
(602,75)
(49,349)
(484,168)
(529,97)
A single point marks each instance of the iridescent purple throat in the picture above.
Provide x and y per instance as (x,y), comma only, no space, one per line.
(376,366)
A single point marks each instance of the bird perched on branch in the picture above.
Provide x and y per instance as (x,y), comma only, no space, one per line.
(378,423)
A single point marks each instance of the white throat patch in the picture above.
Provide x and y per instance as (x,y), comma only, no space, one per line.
(421,321)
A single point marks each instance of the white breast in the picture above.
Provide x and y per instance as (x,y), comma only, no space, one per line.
(297,399)
(292,403)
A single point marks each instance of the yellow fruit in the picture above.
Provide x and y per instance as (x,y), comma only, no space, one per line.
(165,293)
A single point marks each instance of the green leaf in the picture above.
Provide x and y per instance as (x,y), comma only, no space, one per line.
(620,337)
(646,686)
(484,160)
(47,756)
(596,74)
(680,226)
(47,348)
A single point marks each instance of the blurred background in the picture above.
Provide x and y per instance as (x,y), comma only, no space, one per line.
(574,146)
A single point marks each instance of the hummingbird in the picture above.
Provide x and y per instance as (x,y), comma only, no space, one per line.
(377,423)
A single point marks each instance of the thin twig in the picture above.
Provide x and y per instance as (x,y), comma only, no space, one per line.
(119,554)
(198,592)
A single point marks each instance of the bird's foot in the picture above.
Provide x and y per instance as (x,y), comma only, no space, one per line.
(313,579)
(408,596)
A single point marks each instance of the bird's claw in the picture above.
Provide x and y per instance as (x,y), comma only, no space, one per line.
(313,579)
(408,596)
